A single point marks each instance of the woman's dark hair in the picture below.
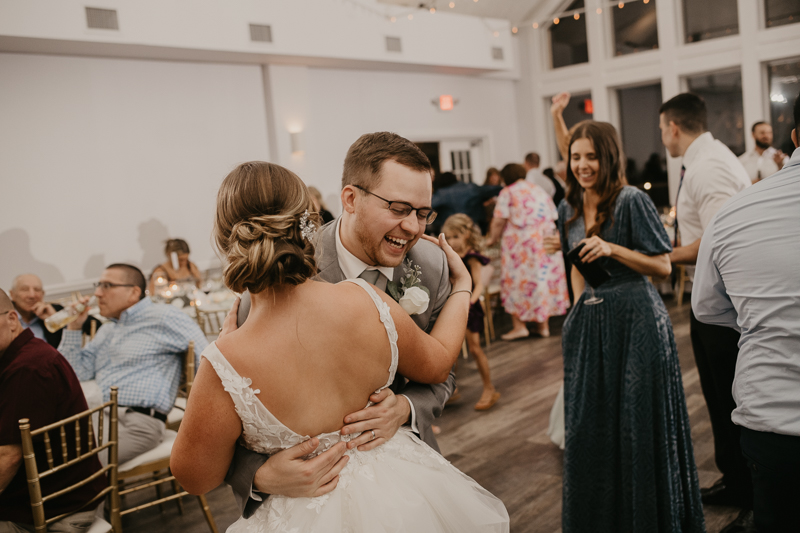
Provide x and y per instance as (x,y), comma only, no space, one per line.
(491,172)
(176,245)
(444,180)
(610,177)
(512,173)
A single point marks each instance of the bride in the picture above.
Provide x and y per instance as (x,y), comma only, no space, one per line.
(309,354)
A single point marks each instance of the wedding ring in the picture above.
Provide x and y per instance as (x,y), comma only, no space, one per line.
(373,434)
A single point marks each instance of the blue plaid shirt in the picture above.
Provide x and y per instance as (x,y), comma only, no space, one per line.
(141,353)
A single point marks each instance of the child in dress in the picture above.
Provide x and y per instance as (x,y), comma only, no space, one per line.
(464,236)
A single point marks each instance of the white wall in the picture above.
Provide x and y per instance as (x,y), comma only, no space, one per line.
(103,159)
(112,156)
(334,107)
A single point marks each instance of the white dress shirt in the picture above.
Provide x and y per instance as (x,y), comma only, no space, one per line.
(536,177)
(760,166)
(713,174)
(352,267)
(748,278)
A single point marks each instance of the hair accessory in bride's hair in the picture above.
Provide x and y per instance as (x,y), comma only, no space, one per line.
(308,229)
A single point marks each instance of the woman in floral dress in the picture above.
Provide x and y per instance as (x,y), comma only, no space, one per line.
(533,286)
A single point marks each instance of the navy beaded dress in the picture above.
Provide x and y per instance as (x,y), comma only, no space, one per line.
(628,461)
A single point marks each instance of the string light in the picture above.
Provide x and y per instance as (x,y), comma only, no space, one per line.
(496,34)
(433,10)
(576,16)
(410,16)
(621,5)
(514,29)
(599,10)
(556,20)
(535,25)
(393,19)
(452,5)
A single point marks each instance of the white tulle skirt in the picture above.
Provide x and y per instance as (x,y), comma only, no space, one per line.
(401,486)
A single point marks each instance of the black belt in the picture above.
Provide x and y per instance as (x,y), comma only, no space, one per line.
(149,412)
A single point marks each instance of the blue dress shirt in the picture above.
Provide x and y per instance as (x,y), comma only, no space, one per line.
(748,278)
(141,353)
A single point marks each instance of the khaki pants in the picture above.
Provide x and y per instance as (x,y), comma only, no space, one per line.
(138,433)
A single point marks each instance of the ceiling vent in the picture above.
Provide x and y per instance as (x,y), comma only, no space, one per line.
(393,44)
(103,19)
(497,53)
(260,33)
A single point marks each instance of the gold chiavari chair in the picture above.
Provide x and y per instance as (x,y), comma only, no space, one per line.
(211,321)
(34,476)
(151,469)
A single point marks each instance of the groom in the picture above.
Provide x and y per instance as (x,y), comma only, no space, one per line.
(386,199)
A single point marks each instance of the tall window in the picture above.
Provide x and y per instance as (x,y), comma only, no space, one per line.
(641,141)
(780,12)
(784,86)
(723,95)
(568,44)
(635,27)
(709,19)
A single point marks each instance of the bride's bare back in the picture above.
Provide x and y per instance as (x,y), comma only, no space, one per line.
(316,352)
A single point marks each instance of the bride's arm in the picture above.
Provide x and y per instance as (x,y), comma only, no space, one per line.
(210,427)
(428,358)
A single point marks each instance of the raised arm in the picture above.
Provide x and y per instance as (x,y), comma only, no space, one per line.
(559,103)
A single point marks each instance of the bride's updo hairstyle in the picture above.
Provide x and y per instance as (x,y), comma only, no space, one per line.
(257,227)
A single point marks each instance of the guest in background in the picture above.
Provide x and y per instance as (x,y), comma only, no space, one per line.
(550,174)
(37,383)
(27,295)
(628,461)
(533,286)
(711,175)
(177,267)
(465,237)
(140,351)
(763,160)
(535,176)
(493,177)
(747,279)
(452,196)
(319,205)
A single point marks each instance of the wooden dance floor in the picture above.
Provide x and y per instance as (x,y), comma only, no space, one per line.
(505,449)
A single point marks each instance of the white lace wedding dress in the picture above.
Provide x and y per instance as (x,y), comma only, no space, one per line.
(401,486)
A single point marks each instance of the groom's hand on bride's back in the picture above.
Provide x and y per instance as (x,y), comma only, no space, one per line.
(288,474)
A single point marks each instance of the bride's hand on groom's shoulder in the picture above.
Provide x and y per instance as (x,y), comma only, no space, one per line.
(377,423)
(287,474)
(459,275)
(230,324)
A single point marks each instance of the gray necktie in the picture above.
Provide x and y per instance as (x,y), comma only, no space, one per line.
(375,277)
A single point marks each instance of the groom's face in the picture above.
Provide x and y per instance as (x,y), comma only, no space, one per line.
(383,237)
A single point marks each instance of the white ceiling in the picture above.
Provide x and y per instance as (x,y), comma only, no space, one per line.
(515,11)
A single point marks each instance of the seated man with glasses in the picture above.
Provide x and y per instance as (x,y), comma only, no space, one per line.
(140,350)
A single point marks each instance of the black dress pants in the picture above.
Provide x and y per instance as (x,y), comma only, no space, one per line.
(715,351)
(774,462)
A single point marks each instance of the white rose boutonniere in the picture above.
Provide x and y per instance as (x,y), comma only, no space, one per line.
(412,296)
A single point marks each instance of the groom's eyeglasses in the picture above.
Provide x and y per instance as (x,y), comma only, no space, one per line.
(403,209)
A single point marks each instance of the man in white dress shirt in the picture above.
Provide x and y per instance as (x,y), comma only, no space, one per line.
(535,176)
(711,174)
(747,278)
(763,160)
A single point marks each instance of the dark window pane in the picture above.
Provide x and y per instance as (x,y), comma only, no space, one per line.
(641,139)
(784,86)
(780,12)
(709,19)
(635,27)
(723,95)
(568,39)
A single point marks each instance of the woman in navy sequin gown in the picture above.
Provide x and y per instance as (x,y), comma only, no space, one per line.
(628,461)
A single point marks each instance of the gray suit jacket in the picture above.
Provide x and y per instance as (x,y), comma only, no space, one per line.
(428,400)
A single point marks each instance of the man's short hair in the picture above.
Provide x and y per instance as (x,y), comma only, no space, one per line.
(132,275)
(687,111)
(532,159)
(362,165)
(757,124)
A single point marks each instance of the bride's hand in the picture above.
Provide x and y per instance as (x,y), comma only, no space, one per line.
(287,474)
(460,278)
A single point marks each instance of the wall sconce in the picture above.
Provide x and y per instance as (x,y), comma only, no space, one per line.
(445,102)
(298,146)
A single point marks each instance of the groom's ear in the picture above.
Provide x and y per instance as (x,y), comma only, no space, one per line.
(349,199)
